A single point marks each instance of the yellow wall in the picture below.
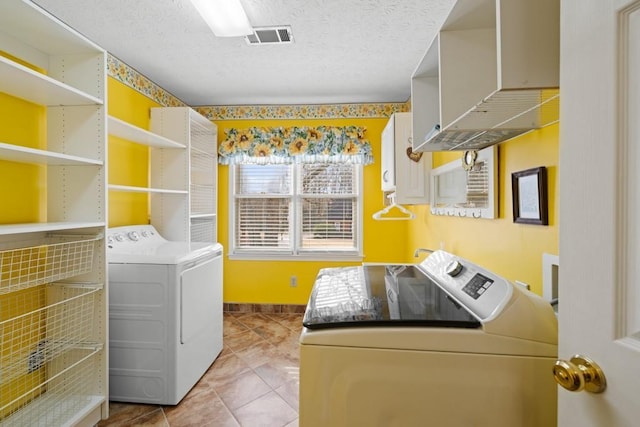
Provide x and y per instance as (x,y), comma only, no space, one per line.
(128,162)
(22,123)
(268,282)
(509,249)
(512,250)
(24,185)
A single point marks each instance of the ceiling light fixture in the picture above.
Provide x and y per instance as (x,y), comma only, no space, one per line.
(226,18)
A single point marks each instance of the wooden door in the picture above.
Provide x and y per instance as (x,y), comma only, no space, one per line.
(599,286)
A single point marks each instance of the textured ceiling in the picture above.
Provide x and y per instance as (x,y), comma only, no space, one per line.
(344,51)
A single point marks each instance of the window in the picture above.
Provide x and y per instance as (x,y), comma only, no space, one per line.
(298,210)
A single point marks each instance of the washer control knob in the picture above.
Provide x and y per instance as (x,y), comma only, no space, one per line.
(144,233)
(119,237)
(453,268)
(133,235)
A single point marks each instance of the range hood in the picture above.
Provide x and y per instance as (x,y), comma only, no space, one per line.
(501,116)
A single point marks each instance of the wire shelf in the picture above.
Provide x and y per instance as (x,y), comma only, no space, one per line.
(202,199)
(53,258)
(40,324)
(203,229)
(57,400)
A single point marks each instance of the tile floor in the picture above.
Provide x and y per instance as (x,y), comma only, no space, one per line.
(253,383)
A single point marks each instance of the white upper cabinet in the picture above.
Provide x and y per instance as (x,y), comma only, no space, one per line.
(491,73)
(404,172)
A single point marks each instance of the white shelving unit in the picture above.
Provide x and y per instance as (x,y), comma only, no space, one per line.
(408,178)
(54,323)
(132,189)
(174,191)
(127,131)
(195,218)
(491,73)
(16,153)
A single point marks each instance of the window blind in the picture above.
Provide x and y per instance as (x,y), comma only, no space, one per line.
(329,203)
(262,206)
(296,209)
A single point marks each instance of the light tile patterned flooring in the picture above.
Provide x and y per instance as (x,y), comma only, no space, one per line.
(253,382)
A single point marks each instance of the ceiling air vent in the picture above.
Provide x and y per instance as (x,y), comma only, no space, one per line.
(270,35)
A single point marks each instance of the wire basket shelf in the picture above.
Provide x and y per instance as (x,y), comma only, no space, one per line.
(59,399)
(40,324)
(53,258)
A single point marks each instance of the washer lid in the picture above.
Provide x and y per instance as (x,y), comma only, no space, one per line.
(375,295)
(166,252)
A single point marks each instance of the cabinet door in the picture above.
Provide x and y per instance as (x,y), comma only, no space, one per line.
(388,176)
(411,169)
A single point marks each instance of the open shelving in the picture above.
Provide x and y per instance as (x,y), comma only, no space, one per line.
(195,169)
(490,73)
(39,88)
(16,153)
(133,189)
(138,135)
(127,131)
(53,334)
(183,171)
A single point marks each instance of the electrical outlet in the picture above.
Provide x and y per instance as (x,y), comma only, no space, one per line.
(294,281)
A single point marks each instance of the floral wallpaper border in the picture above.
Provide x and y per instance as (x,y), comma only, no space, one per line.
(324,111)
(132,78)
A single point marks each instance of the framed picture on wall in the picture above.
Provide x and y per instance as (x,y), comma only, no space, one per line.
(529,188)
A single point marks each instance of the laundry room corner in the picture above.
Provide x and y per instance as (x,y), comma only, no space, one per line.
(512,250)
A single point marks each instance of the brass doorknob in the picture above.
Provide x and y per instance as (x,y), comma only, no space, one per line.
(579,373)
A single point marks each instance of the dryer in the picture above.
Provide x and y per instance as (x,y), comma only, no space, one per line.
(165,314)
(442,343)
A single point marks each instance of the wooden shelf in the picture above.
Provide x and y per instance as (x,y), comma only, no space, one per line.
(132,133)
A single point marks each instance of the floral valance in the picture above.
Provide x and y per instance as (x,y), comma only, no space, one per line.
(322,144)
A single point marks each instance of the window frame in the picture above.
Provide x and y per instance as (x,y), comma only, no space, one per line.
(297,253)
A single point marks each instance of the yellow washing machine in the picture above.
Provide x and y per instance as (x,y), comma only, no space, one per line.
(442,343)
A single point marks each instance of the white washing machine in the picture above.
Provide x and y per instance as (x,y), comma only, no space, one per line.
(442,343)
(165,314)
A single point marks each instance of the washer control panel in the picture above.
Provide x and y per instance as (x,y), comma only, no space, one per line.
(477,286)
(484,293)
(133,236)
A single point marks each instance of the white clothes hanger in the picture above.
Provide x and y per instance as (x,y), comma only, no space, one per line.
(379,215)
